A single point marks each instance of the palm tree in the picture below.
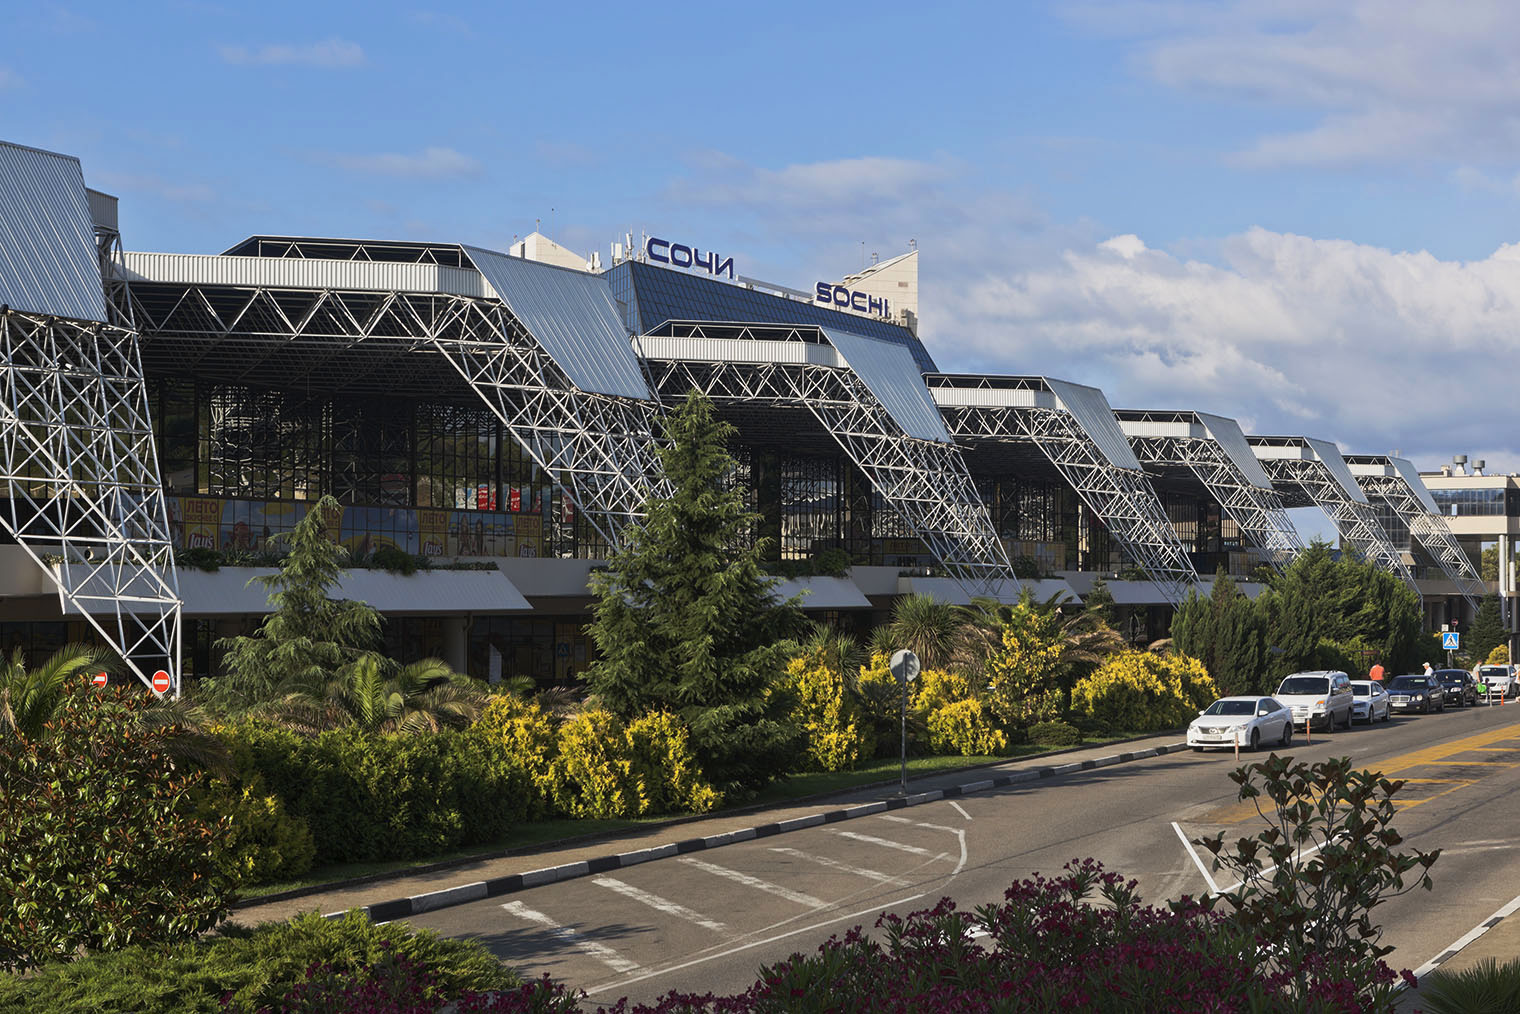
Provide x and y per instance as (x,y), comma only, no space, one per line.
(29,697)
(1084,640)
(927,627)
(838,650)
(378,695)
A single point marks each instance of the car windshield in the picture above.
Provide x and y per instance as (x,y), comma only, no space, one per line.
(1452,681)
(1407,683)
(1304,685)
(1361,689)
(1494,670)
(1232,708)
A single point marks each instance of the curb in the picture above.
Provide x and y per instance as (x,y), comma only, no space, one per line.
(1456,947)
(432,901)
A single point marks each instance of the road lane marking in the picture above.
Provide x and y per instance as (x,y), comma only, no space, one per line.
(1477,931)
(960,809)
(1198,860)
(601,952)
(918,823)
(796,897)
(660,904)
(835,864)
(871,839)
(811,928)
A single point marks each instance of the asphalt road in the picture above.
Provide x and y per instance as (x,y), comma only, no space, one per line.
(708,921)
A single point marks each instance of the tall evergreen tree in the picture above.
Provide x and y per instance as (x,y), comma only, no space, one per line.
(686,620)
(1100,602)
(1224,632)
(307,637)
(1487,631)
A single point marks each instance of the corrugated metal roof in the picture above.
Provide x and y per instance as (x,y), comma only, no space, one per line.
(1228,434)
(1331,456)
(47,239)
(294,273)
(1091,409)
(573,316)
(894,378)
(1411,475)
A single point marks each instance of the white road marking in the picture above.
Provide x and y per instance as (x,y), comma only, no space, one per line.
(883,842)
(601,952)
(1213,887)
(835,864)
(796,897)
(915,823)
(959,809)
(660,904)
(893,818)
(1459,851)
(810,928)
(1477,931)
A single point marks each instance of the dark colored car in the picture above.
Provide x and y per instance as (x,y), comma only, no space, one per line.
(1459,686)
(1416,693)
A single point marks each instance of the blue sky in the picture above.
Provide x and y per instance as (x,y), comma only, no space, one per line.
(1293,213)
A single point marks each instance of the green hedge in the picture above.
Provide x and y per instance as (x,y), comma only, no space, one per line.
(253,968)
(369,797)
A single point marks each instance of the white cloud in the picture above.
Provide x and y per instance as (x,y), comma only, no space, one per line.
(430,163)
(331,54)
(1373,79)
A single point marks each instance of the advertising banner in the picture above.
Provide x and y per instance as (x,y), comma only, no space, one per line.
(202,522)
(433,532)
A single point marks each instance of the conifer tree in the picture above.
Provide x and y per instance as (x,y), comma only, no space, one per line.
(1100,602)
(686,620)
(307,637)
(1487,631)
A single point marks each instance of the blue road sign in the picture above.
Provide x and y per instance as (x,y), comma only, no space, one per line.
(1450,641)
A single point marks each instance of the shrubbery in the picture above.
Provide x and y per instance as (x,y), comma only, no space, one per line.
(837,739)
(967,728)
(1145,692)
(1056,733)
(255,970)
(101,842)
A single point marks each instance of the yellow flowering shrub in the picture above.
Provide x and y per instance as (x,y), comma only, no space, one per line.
(881,704)
(521,734)
(965,727)
(936,688)
(591,774)
(836,739)
(1022,672)
(1145,692)
(666,768)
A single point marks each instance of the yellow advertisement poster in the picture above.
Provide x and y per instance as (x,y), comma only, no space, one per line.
(530,535)
(202,519)
(433,532)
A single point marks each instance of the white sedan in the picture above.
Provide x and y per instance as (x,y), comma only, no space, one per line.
(1369,702)
(1244,721)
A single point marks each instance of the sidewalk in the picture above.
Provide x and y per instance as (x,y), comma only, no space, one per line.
(409,893)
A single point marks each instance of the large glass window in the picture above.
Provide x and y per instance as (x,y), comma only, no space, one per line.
(457,457)
(1474,502)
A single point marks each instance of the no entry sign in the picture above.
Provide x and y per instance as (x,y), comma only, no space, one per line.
(100,679)
(161,682)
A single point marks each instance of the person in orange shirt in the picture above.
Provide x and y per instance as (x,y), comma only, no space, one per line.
(1376,673)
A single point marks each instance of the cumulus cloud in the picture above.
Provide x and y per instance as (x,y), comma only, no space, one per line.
(430,163)
(330,54)
(1372,78)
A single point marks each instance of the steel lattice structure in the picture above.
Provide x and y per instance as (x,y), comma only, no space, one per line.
(1122,498)
(1427,528)
(1257,512)
(1355,522)
(598,448)
(926,482)
(85,500)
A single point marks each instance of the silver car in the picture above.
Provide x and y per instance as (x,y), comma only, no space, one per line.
(1369,701)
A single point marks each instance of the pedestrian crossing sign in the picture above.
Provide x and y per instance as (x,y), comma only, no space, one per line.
(1450,640)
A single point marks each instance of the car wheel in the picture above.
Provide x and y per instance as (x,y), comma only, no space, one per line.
(1347,724)
(1255,740)
(1287,736)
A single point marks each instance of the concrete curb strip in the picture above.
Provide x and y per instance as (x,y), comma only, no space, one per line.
(400,908)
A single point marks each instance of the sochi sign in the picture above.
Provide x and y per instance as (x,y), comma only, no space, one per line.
(682,256)
(846,299)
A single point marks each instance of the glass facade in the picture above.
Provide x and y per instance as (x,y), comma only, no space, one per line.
(1478,502)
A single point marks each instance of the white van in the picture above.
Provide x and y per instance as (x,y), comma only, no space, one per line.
(1323,697)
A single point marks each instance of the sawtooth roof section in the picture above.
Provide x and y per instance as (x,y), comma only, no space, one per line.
(1228,435)
(47,237)
(1331,456)
(573,316)
(893,377)
(1090,407)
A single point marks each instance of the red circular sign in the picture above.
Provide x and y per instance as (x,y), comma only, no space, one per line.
(160,682)
(100,679)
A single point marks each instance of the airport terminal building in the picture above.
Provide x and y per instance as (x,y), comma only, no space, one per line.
(167,414)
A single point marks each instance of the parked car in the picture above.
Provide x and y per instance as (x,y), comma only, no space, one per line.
(1459,686)
(1416,693)
(1323,697)
(1496,679)
(1248,721)
(1369,701)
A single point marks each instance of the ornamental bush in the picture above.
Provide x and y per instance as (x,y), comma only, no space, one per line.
(1024,671)
(270,843)
(522,737)
(836,738)
(936,688)
(967,728)
(101,842)
(1056,733)
(591,774)
(663,761)
(1145,692)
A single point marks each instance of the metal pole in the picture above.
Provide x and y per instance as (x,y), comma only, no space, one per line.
(905,738)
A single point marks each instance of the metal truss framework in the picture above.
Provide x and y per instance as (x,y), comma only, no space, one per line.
(924,481)
(599,449)
(1430,530)
(1122,498)
(85,501)
(1355,521)
(1258,512)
